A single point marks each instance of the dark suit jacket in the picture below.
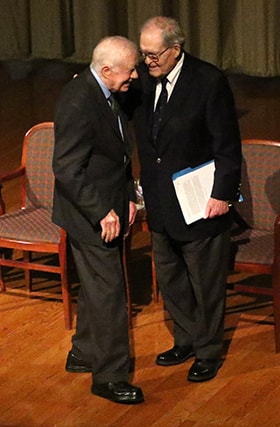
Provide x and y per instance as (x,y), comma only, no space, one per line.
(91,161)
(199,124)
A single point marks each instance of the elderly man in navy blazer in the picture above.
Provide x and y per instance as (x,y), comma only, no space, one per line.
(185,116)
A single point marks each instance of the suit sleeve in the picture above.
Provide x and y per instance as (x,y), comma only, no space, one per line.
(74,133)
(223,127)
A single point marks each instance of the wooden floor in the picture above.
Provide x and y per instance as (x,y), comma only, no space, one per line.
(35,390)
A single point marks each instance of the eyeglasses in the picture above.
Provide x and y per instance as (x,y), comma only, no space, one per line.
(153,56)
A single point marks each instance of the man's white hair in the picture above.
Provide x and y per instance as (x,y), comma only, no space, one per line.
(112,51)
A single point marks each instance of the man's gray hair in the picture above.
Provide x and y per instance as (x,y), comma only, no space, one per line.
(112,51)
(171,31)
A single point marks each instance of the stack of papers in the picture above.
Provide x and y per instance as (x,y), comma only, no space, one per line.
(193,188)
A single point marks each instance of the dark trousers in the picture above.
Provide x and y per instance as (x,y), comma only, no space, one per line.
(192,280)
(102,336)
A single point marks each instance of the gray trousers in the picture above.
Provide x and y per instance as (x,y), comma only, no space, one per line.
(102,336)
(192,280)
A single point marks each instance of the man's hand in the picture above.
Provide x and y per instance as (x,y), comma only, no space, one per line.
(110,225)
(216,207)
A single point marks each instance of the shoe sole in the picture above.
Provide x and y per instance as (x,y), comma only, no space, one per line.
(194,379)
(161,363)
(77,370)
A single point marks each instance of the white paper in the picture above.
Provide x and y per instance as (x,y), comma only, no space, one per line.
(193,188)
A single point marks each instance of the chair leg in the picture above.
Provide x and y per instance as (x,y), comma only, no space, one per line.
(144,227)
(4,254)
(66,291)
(125,254)
(154,279)
(67,302)
(2,283)
(27,272)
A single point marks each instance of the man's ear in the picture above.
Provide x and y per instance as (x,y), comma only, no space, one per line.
(106,72)
(178,50)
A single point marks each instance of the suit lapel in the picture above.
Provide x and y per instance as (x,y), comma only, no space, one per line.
(126,137)
(180,91)
(104,106)
(148,102)
(179,94)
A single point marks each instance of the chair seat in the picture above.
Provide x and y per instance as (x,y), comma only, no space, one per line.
(253,246)
(30,225)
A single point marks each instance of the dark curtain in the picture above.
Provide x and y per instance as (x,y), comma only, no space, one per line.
(237,35)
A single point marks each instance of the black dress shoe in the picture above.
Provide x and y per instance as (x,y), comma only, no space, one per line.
(120,392)
(204,369)
(174,356)
(75,364)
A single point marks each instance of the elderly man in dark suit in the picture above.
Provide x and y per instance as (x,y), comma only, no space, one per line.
(94,202)
(187,117)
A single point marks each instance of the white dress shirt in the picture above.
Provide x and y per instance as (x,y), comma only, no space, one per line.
(171,80)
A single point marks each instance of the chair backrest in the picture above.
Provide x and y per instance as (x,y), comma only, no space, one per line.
(260,183)
(37,157)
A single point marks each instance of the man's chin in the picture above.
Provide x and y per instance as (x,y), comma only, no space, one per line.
(154,72)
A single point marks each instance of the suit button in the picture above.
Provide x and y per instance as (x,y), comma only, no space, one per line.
(158,160)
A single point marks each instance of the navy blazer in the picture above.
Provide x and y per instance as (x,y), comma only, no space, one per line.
(199,123)
(91,161)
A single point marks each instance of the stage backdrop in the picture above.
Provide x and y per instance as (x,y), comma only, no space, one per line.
(237,35)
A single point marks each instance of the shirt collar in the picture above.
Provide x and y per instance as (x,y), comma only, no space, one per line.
(173,75)
(103,87)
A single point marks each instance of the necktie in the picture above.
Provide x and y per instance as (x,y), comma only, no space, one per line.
(116,110)
(162,101)
(114,105)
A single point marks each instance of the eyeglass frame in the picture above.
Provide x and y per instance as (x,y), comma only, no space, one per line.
(153,56)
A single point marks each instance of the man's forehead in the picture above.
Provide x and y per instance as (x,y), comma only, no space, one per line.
(151,39)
